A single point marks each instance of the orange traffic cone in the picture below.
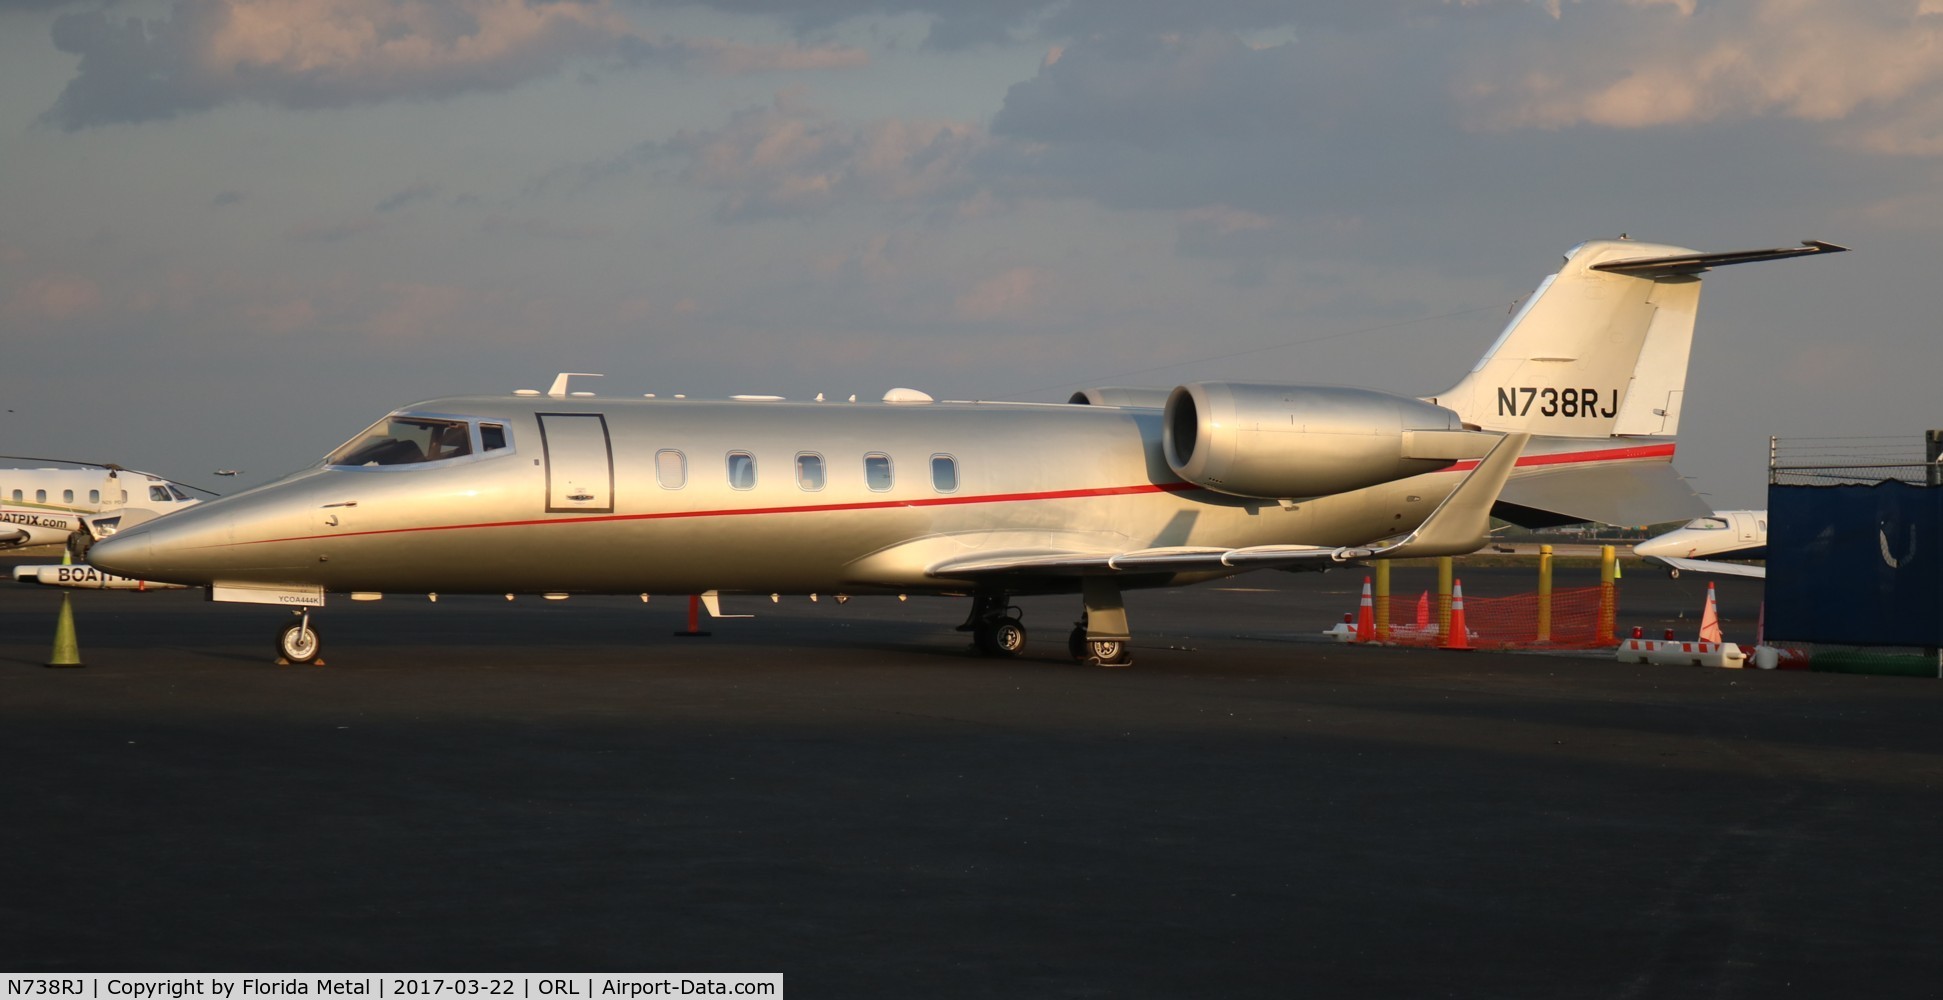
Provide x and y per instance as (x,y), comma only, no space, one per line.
(1460,636)
(1423,612)
(1365,620)
(1709,619)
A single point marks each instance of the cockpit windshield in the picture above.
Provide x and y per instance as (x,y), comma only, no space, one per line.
(400,440)
(1707,524)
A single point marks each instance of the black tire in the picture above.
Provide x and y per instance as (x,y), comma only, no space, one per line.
(1108,653)
(1098,652)
(1004,637)
(297,642)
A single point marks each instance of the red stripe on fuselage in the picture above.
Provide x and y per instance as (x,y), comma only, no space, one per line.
(1565,458)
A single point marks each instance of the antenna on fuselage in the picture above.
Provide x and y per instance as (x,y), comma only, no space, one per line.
(559,390)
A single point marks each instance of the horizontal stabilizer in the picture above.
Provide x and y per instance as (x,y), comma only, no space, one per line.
(1694,263)
(1629,494)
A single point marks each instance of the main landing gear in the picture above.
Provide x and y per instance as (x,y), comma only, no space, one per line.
(297,642)
(994,625)
(1100,638)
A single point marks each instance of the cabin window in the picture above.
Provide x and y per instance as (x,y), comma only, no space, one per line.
(944,473)
(877,471)
(17,495)
(671,468)
(397,440)
(809,471)
(742,470)
(94,496)
(40,496)
(492,437)
(67,496)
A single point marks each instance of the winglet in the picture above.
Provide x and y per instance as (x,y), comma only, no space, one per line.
(1460,524)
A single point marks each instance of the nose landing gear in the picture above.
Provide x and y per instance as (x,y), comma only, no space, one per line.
(297,642)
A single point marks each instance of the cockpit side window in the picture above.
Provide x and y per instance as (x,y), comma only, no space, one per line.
(492,437)
(400,440)
(158,494)
(1707,524)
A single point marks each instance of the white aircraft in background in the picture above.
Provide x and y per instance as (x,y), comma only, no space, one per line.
(1699,545)
(53,501)
(1569,416)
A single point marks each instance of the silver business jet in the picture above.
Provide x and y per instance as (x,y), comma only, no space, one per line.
(1570,416)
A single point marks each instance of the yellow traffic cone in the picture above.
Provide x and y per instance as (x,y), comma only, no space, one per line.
(67,652)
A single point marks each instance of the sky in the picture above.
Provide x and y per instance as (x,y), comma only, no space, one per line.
(235,232)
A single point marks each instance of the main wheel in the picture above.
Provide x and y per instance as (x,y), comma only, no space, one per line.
(1098,652)
(1004,637)
(1108,653)
(297,642)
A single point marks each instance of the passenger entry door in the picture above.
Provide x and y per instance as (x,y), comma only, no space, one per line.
(579,463)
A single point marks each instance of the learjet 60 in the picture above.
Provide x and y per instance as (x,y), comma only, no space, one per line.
(1569,416)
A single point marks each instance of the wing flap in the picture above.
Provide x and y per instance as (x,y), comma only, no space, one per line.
(1458,525)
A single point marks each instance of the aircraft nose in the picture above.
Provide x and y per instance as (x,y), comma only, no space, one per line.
(183,547)
(125,553)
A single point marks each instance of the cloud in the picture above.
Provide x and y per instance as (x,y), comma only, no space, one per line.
(716,55)
(417,192)
(788,159)
(51,300)
(344,53)
(1873,65)
(955,24)
(1013,294)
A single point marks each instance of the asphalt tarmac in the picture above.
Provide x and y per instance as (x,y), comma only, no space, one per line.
(846,795)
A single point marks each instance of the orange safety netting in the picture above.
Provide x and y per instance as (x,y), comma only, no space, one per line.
(1509,622)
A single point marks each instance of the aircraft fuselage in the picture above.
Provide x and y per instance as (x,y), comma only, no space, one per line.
(677,496)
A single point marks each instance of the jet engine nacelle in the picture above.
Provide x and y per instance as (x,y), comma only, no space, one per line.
(1285,441)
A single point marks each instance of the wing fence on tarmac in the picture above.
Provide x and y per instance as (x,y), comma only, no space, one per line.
(1513,622)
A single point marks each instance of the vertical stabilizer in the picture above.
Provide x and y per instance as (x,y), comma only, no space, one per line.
(1600,349)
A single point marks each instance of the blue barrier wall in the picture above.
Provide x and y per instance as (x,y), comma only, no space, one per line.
(1856,564)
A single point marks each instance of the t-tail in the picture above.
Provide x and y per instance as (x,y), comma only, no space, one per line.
(1600,349)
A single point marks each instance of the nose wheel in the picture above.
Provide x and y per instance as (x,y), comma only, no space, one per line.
(297,642)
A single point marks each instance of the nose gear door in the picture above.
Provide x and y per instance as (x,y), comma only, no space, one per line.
(579,463)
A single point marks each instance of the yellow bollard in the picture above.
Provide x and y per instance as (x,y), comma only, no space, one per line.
(1544,593)
(67,651)
(1444,575)
(1382,600)
(1608,594)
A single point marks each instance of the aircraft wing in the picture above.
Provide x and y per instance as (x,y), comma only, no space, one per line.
(1711,567)
(1459,525)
